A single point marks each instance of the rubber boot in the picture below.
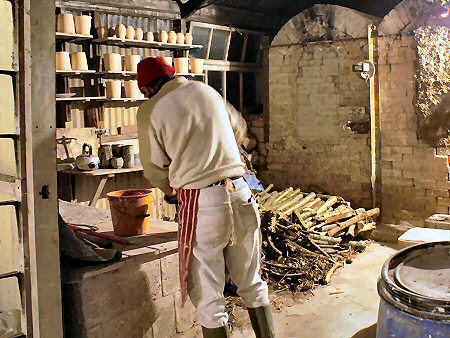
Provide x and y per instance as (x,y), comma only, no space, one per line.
(219,332)
(262,321)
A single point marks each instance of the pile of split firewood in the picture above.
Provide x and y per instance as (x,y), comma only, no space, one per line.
(307,236)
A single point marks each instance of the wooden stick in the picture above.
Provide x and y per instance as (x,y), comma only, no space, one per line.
(338,217)
(326,238)
(331,271)
(329,203)
(370,213)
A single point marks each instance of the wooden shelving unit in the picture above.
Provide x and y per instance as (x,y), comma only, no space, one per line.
(126,43)
(74,38)
(103,172)
(74,72)
(77,98)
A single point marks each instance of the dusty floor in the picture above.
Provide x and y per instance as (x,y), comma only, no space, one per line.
(346,308)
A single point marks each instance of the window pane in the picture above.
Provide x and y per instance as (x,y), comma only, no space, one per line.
(251,53)
(200,36)
(237,39)
(233,89)
(218,45)
(250,100)
(215,81)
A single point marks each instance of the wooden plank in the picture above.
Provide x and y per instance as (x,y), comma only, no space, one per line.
(103,172)
(99,191)
(127,43)
(208,51)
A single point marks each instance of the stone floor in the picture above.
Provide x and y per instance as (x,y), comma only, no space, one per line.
(347,308)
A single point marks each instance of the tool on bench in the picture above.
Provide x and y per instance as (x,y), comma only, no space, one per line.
(92,230)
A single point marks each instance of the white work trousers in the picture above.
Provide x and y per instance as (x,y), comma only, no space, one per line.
(212,252)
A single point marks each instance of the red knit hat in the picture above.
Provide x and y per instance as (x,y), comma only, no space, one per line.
(151,68)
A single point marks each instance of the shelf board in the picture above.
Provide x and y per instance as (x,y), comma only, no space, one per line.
(74,72)
(103,172)
(10,274)
(116,74)
(118,138)
(77,98)
(143,44)
(68,37)
(127,99)
(190,74)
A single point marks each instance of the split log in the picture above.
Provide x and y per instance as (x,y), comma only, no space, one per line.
(287,204)
(329,203)
(338,217)
(370,213)
(334,240)
(318,205)
(280,197)
(304,201)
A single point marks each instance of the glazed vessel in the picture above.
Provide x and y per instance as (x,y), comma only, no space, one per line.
(79,61)
(181,65)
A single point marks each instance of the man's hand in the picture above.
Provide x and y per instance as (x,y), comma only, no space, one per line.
(170,195)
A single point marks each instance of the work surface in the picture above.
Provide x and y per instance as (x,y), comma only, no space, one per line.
(161,240)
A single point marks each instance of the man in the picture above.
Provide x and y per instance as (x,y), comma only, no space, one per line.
(188,149)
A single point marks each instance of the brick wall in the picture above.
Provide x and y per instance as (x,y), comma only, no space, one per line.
(313,94)
(413,176)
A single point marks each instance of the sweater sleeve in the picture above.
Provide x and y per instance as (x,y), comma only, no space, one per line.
(153,157)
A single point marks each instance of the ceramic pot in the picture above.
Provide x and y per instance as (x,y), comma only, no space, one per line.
(121,31)
(188,39)
(181,65)
(131,62)
(113,62)
(111,33)
(139,34)
(83,24)
(79,61)
(168,60)
(131,89)
(180,38)
(65,23)
(130,34)
(149,36)
(114,89)
(163,36)
(105,155)
(117,162)
(172,37)
(63,61)
(101,32)
(196,65)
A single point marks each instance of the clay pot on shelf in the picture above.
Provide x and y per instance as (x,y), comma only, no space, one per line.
(102,32)
(63,61)
(111,33)
(139,34)
(114,89)
(181,65)
(121,31)
(168,59)
(180,38)
(79,61)
(113,62)
(131,89)
(163,36)
(131,62)
(172,37)
(196,65)
(130,33)
(117,162)
(149,36)
(83,24)
(65,23)
(188,39)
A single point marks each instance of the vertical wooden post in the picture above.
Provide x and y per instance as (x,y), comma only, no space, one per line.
(375,141)
(265,48)
(38,168)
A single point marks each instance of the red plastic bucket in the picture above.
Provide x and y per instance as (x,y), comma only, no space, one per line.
(130,211)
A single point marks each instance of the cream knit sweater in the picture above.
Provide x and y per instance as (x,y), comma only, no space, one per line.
(185,137)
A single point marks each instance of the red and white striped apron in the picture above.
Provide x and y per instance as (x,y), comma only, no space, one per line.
(187,220)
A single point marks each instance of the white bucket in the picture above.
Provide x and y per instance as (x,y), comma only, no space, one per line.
(113,62)
(114,89)
(79,61)
(83,24)
(181,65)
(131,62)
(63,61)
(65,23)
(131,89)
(196,65)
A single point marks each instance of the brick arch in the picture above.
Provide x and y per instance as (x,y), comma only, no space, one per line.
(324,22)
(406,17)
